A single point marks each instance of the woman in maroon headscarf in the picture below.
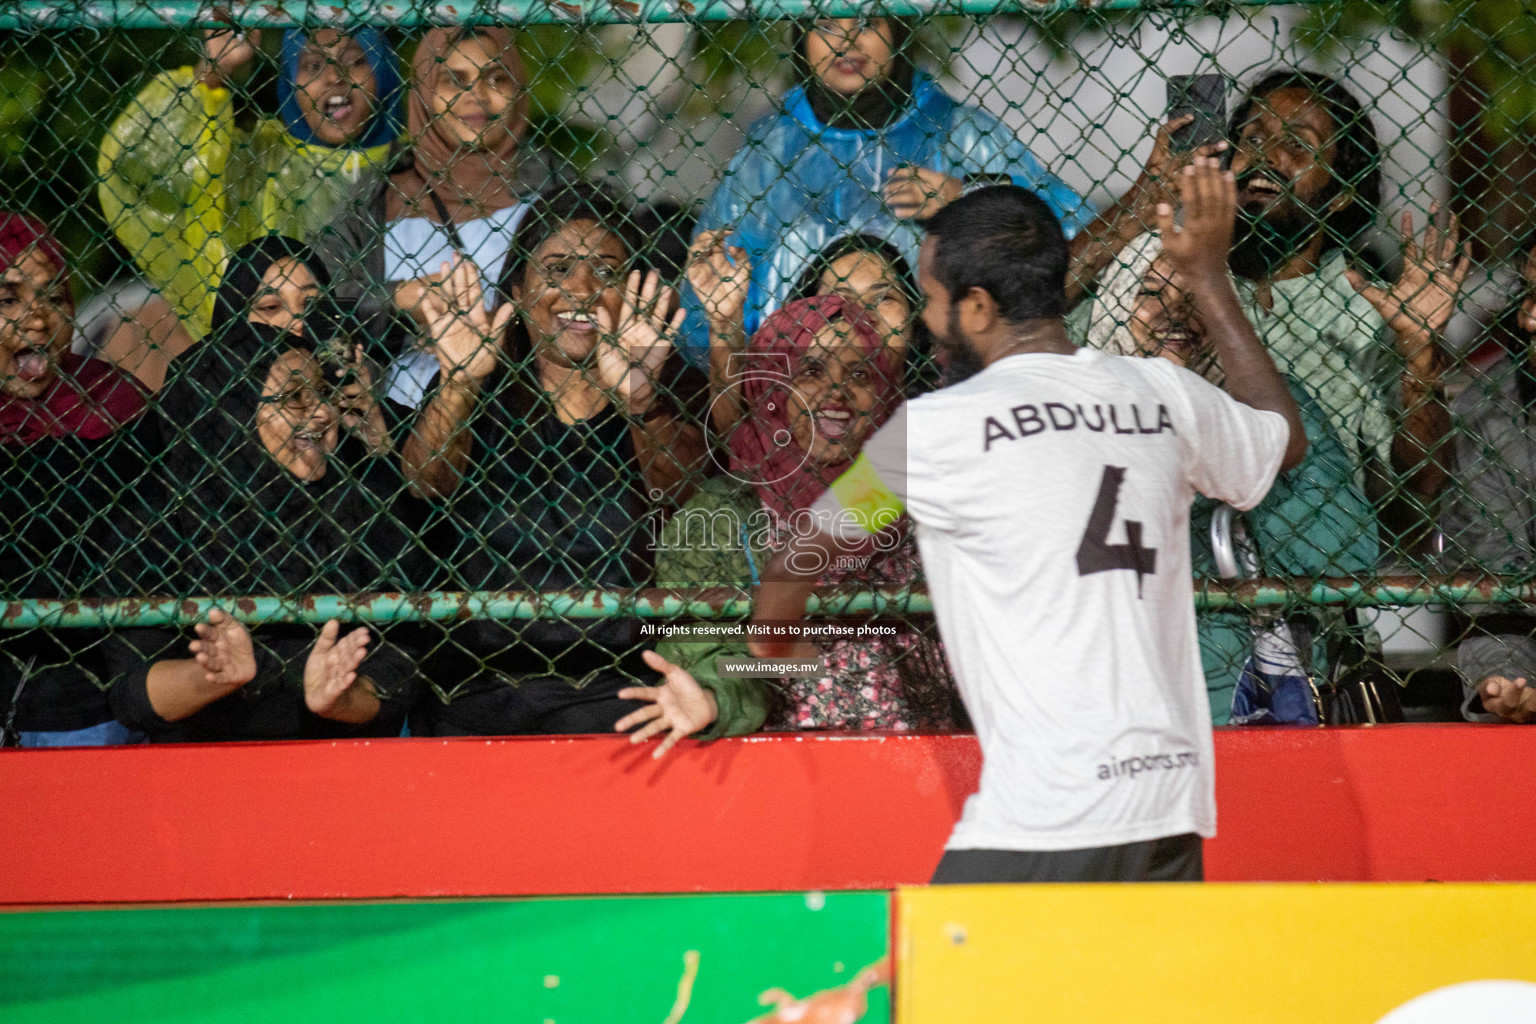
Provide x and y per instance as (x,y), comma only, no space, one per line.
(815,382)
(63,457)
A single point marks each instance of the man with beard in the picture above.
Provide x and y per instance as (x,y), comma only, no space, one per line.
(1050,487)
(1308,174)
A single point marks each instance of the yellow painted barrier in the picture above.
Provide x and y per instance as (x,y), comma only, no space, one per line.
(1223,954)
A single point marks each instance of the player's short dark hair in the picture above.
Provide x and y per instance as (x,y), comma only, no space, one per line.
(1356,155)
(1004,240)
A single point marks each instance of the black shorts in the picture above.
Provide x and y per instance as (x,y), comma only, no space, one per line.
(1174,859)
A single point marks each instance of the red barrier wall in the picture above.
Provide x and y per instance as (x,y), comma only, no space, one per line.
(422,818)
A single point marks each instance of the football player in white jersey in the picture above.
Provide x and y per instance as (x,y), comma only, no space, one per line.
(1050,489)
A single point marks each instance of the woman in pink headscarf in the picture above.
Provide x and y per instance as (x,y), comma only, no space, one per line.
(816,381)
(63,457)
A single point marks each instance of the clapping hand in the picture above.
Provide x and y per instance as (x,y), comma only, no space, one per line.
(632,352)
(331,669)
(464,334)
(223,651)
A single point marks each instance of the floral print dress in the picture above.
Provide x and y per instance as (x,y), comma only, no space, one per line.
(899,683)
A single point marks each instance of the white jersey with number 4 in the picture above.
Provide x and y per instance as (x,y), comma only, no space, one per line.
(1051,495)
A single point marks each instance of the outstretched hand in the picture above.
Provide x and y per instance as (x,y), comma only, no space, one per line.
(1424,296)
(331,669)
(465,335)
(680,704)
(632,352)
(223,651)
(1208,198)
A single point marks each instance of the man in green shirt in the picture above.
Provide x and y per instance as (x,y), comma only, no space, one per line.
(1309,182)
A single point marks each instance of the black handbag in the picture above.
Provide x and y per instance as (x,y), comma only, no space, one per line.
(1359,689)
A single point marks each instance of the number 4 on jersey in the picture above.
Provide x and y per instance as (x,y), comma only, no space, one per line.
(1095,553)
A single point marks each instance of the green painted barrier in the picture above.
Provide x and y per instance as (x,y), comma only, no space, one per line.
(650,960)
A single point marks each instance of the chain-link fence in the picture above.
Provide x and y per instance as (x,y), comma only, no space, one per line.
(309,313)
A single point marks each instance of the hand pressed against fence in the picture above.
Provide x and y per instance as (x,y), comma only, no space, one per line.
(465,336)
(720,275)
(639,341)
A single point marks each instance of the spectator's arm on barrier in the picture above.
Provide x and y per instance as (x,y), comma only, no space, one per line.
(790,580)
(1496,676)
(1510,700)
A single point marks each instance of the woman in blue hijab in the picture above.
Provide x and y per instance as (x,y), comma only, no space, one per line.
(184,187)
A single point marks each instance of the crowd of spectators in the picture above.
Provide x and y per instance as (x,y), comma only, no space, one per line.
(370,353)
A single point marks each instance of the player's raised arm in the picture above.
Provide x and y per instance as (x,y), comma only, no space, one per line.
(1199,249)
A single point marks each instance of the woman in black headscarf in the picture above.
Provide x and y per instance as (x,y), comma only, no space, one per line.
(273,488)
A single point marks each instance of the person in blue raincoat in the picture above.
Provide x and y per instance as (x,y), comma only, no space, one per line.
(865,144)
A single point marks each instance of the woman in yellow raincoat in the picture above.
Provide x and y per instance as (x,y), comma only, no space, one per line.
(183,186)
